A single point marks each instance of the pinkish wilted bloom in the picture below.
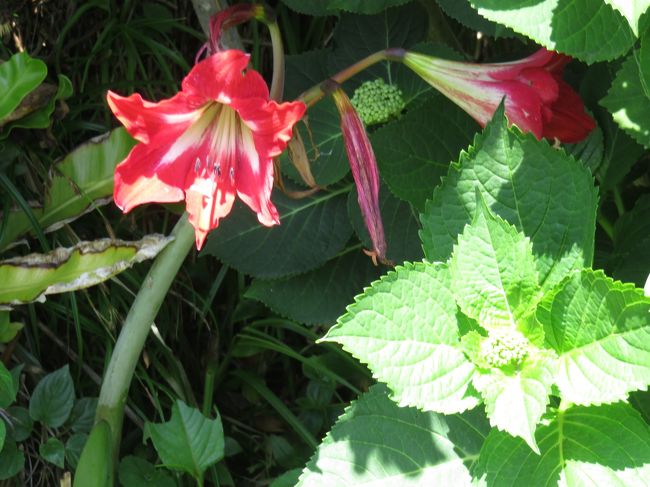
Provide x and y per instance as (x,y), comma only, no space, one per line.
(537,99)
(364,170)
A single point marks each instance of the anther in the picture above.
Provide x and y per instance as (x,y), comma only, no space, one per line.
(197,164)
(232,174)
(216,169)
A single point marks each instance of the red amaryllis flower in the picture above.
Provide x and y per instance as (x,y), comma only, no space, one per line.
(537,99)
(364,171)
(214,139)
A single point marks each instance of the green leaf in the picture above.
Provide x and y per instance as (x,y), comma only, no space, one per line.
(9,330)
(331,7)
(3,434)
(19,76)
(493,275)
(39,116)
(82,181)
(53,398)
(312,231)
(357,36)
(375,442)
(406,329)
(600,329)
(189,441)
(12,460)
(137,472)
(628,102)
(287,479)
(401,226)
(8,389)
(21,424)
(587,29)
(631,10)
(594,446)
(73,448)
(68,269)
(52,451)
(590,151)
(515,401)
(319,296)
(630,259)
(414,152)
(82,417)
(462,11)
(527,183)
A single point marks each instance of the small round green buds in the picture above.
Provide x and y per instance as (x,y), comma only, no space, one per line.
(376,102)
(504,347)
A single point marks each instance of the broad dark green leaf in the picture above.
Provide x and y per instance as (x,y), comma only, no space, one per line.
(3,434)
(589,152)
(52,451)
(21,423)
(600,329)
(8,389)
(375,442)
(414,152)
(312,231)
(330,7)
(630,259)
(462,11)
(137,472)
(19,75)
(73,448)
(82,417)
(53,398)
(589,30)
(12,460)
(189,441)
(319,296)
(628,102)
(582,446)
(540,190)
(405,327)
(401,226)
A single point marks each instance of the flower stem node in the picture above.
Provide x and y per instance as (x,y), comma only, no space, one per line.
(377,102)
(504,347)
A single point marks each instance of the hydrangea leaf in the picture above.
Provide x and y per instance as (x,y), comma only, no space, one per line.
(516,400)
(313,230)
(589,30)
(597,445)
(375,442)
(527,183)
(631,10)
(189,441)
(628,102)
(600,329)
(414,152)
(406,329)
(493,274)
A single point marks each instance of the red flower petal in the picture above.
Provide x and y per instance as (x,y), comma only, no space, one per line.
(568,122)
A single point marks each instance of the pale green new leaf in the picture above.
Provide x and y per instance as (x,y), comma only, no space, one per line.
(79,183)
(189,441)
(19,75)
(493,275)
(515,401)
(600,329)
(583,446)
(375,443)
(405,327)
(529,184)
(631,10)
(590,30)
(30,278)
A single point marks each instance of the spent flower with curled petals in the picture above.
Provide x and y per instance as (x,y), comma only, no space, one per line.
(537,99)
(213,140)
(364,171)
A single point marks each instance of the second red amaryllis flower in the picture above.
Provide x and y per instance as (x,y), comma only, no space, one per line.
(211,141)
(537,99)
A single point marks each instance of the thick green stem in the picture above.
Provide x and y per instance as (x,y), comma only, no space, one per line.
(117,379)
(315,93)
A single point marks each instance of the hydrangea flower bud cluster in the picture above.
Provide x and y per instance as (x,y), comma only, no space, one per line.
(376,102)
(504,347)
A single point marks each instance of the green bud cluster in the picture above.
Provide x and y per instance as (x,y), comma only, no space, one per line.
(376,102)
(504,347)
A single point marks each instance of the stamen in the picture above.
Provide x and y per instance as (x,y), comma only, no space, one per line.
(216,169)
(232,175)
(197,164)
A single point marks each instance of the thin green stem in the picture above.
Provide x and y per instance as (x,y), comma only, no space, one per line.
(315,93)
(618,201)
(119,373)
(606,225)
(277,83)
